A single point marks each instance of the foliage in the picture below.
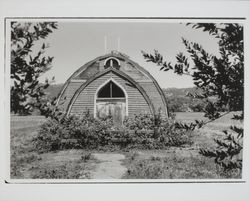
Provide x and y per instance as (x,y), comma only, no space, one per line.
(177,104)
(156,132)
(86,132)
(218,77)
(185,104)
(229,149)
(50,109)
(140,122)
(73,132)
(178,101)
(27,66)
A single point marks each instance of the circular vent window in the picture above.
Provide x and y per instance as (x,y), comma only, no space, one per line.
(112,62)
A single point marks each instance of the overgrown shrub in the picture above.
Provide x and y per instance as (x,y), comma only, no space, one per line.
(72,132)
(157,132)
(140,122)
(140,131)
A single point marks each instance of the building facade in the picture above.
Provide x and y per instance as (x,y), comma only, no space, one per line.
(112,85)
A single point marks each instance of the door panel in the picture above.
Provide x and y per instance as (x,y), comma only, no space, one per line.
(102,109)
(116,109)
(119,113)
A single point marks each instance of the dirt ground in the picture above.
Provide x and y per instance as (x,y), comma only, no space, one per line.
(109,166)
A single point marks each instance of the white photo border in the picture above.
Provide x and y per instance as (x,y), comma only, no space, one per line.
(177,190)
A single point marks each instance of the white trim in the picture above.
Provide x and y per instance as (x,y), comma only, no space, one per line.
(119,85)
(100,99)
(105,61)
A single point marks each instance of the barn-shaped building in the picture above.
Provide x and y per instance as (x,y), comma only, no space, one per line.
(112,85)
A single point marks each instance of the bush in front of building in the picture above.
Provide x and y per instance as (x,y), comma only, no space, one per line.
(140,132)
(157,132)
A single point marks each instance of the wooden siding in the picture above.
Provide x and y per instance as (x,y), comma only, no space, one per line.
(134,73)
(154,96)
(85,100)
(68,94)
(136,101)
(125,67)
(89,72)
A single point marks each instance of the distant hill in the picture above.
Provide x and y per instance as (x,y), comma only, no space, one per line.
(178,92)
(179,102)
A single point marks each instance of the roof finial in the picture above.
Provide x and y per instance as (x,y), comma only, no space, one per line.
(105,44)
(118,44)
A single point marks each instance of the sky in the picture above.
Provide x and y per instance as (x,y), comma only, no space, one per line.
(75,43)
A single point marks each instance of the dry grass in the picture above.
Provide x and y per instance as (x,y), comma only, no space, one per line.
(183,163)
(219,124)
(26,163)
(174,163)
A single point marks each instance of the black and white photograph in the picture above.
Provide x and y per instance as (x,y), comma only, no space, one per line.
(124,100)
(119,99)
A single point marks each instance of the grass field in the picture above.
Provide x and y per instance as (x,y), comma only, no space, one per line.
(26,163)
(185,162)
(172,163)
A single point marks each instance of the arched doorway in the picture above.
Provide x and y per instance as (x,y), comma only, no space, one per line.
(111,100)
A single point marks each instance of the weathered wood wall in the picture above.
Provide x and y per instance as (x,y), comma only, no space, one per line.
(85,101)
(154,96)
(68,93)
(136,101)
